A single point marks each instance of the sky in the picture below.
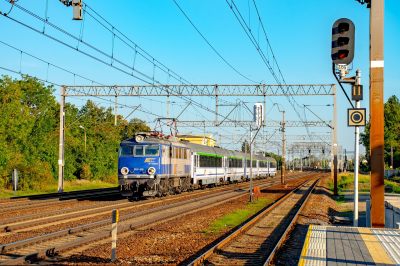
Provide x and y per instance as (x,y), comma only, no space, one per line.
(299,33)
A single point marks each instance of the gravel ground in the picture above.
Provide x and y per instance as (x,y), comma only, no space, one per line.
(58,226)
(320,206)
(33,210)
(172,242)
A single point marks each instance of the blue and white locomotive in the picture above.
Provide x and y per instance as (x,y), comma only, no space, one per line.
(151,164)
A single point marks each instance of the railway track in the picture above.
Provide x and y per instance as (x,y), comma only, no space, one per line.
(37,248)
(91,210)
(256,242)
(63,196)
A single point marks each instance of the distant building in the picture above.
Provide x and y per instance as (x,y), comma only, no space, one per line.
(206,140)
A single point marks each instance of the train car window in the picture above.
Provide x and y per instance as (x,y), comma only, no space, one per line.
(139,150)
(185,154)
(180,153)
(170,152)
(254,163)
(152,150)
(126,151)
(201,160)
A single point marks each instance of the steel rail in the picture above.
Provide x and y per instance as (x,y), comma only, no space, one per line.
(145,223)
(10,225)
(69,194)
(244,227)
(283,237)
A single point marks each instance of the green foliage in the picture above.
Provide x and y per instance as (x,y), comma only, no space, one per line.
(391,132)
(345,180)
(245,147)
(237,217)
(29,139)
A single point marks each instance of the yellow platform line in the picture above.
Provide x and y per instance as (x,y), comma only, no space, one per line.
(378,253)
(305,247)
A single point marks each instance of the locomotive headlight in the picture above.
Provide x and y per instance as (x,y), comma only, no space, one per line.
(124,170)
(139,138)
(151,171)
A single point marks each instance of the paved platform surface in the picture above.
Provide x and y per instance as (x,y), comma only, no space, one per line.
(345,246)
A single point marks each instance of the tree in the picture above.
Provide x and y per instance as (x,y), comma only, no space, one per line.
(391,132)
(29,139)
(245,147)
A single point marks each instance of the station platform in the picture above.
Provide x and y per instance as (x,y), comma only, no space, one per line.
(341,246)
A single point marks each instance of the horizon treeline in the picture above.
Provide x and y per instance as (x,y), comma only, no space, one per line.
(29,138)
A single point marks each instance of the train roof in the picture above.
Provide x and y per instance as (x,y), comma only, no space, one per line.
(155,141)
(198,148)
(223,152)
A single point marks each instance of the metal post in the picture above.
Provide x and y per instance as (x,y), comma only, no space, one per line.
(356,166)
(251,165)
(301,159)
(168,109)
(114,229)
(377,113)
(391,157)
(219,140)
(85,140)
(216,104)
(335,143)
(115,115)
(61,147)
(283,149)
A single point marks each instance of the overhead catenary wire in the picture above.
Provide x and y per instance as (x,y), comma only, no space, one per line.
(102,61)
(212,47)
(250,35)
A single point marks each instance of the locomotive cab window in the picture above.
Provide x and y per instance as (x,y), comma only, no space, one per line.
(152,150)
(126,151)
(139,150)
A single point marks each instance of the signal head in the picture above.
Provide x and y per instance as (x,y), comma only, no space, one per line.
(342,49)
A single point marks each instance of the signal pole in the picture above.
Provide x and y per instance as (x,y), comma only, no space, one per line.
(356,157)
(376,113)
(283,150)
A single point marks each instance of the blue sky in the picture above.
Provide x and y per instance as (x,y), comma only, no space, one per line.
(299,33)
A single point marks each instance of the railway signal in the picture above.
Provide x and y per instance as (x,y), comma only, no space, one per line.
(343,32)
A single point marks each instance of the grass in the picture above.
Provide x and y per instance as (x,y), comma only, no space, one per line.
(68,186)
(345,180)
(237,217)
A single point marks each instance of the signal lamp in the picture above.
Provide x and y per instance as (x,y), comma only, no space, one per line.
(342,46)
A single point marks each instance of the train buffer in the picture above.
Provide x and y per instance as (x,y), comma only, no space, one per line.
(339,245)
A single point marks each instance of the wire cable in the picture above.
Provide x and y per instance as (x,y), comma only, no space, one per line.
(212,47)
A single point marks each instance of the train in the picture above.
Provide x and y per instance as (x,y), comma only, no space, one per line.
(151,164)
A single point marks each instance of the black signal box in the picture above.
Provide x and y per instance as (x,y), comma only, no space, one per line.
(357,92)
(343,33)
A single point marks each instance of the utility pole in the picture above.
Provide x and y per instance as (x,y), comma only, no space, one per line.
(61,147)
(391,157)
(356,158)
(283,150)
(301,159)
(377,113)
(251,164)
(115,116)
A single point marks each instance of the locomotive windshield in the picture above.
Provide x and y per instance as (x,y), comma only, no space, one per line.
(152,150)
(140,150)
(126,151)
